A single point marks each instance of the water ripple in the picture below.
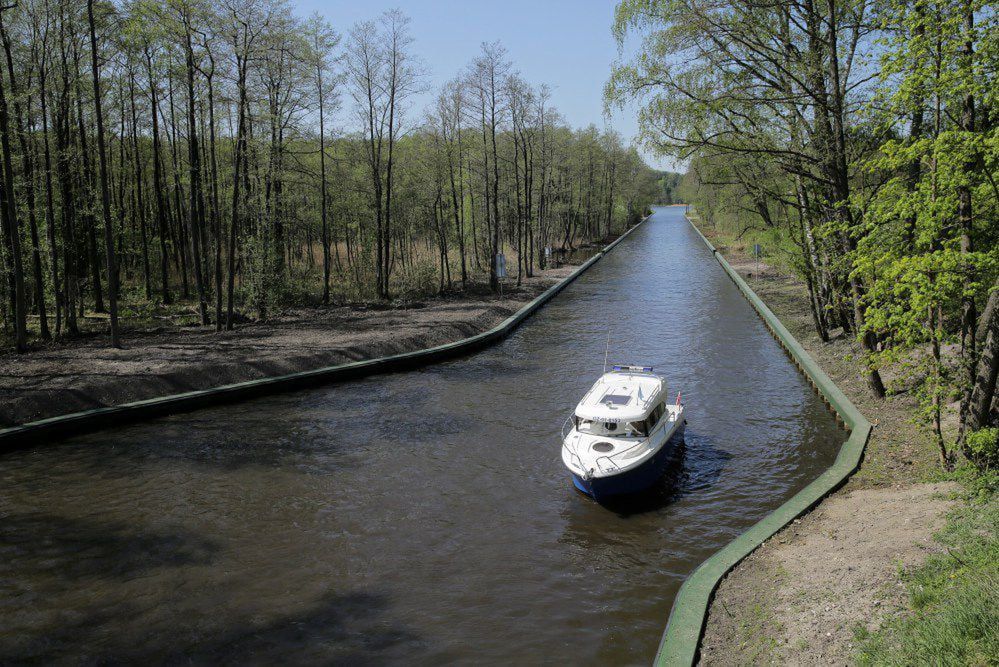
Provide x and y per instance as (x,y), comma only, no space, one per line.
(422,517)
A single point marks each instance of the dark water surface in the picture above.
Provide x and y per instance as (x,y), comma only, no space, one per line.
(419,517)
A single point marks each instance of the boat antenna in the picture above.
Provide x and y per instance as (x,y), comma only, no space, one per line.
(606,349)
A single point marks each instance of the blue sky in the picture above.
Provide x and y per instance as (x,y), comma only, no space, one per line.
(566,44)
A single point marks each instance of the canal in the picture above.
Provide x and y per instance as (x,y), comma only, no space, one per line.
(419,517)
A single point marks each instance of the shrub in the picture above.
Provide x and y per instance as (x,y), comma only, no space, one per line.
(982,447)
(418,278)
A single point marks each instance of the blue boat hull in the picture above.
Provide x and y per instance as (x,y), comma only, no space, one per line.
(633,481)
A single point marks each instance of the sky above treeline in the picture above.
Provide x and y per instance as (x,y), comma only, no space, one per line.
(564,43)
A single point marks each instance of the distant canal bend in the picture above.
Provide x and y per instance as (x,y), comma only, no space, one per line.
(419,517)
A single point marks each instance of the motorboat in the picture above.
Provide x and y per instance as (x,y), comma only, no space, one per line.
(621,436)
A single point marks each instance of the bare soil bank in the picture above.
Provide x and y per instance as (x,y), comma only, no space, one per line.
(799,598)
(84,373)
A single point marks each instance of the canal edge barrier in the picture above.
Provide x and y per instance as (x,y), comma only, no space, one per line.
(95,419)
(681,640)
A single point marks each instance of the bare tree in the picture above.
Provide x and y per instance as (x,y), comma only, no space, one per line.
(486,77)
(323,40)
(382,75)
(109,247)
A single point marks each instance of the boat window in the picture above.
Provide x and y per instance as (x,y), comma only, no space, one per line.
(638,428)
(616,399)
(657,414)
(601,428)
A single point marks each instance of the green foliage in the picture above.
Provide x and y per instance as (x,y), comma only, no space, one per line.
(418,278)
(736,215)
(920,264)
(183,66)
(669,182)
(893,225)
(983,447)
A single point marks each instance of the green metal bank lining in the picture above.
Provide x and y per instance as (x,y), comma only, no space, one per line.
(681,640)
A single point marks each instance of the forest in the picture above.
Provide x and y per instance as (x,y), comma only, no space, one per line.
(857,141)
(669,183)
(226,158)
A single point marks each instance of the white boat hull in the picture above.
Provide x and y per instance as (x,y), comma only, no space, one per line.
(624,471)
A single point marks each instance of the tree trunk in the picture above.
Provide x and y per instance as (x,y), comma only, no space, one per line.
(158,185)
(238,160)
(322,184)
(197,210)
(214,174)
(139,200)
(49,206)
(109,249)
(983,392)
(10,224)
(965,219)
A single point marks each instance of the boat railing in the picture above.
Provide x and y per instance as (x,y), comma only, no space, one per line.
(572,454)
(566,427)
(611,457)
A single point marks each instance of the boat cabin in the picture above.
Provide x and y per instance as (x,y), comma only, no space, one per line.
(627,402)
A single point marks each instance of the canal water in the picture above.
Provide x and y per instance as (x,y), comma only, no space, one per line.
(419,517)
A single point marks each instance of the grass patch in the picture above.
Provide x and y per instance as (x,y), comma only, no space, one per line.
(756,635)
(953,616)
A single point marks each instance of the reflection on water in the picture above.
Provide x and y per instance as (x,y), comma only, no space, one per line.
(418,517)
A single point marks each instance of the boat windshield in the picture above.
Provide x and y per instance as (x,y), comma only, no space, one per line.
(628,430)
(634,429)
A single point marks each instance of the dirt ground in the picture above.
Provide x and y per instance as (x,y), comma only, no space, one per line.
(799,598)
(85,373)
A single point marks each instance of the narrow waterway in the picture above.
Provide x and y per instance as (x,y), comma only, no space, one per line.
(420,517)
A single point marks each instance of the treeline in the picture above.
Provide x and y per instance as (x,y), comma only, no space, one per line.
(861,139)
(669,184)
(227,156)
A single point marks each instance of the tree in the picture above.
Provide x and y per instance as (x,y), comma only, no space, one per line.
(109,247)
(485,78)
(323,40)
(875,178)
(779,85)
(11,225)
